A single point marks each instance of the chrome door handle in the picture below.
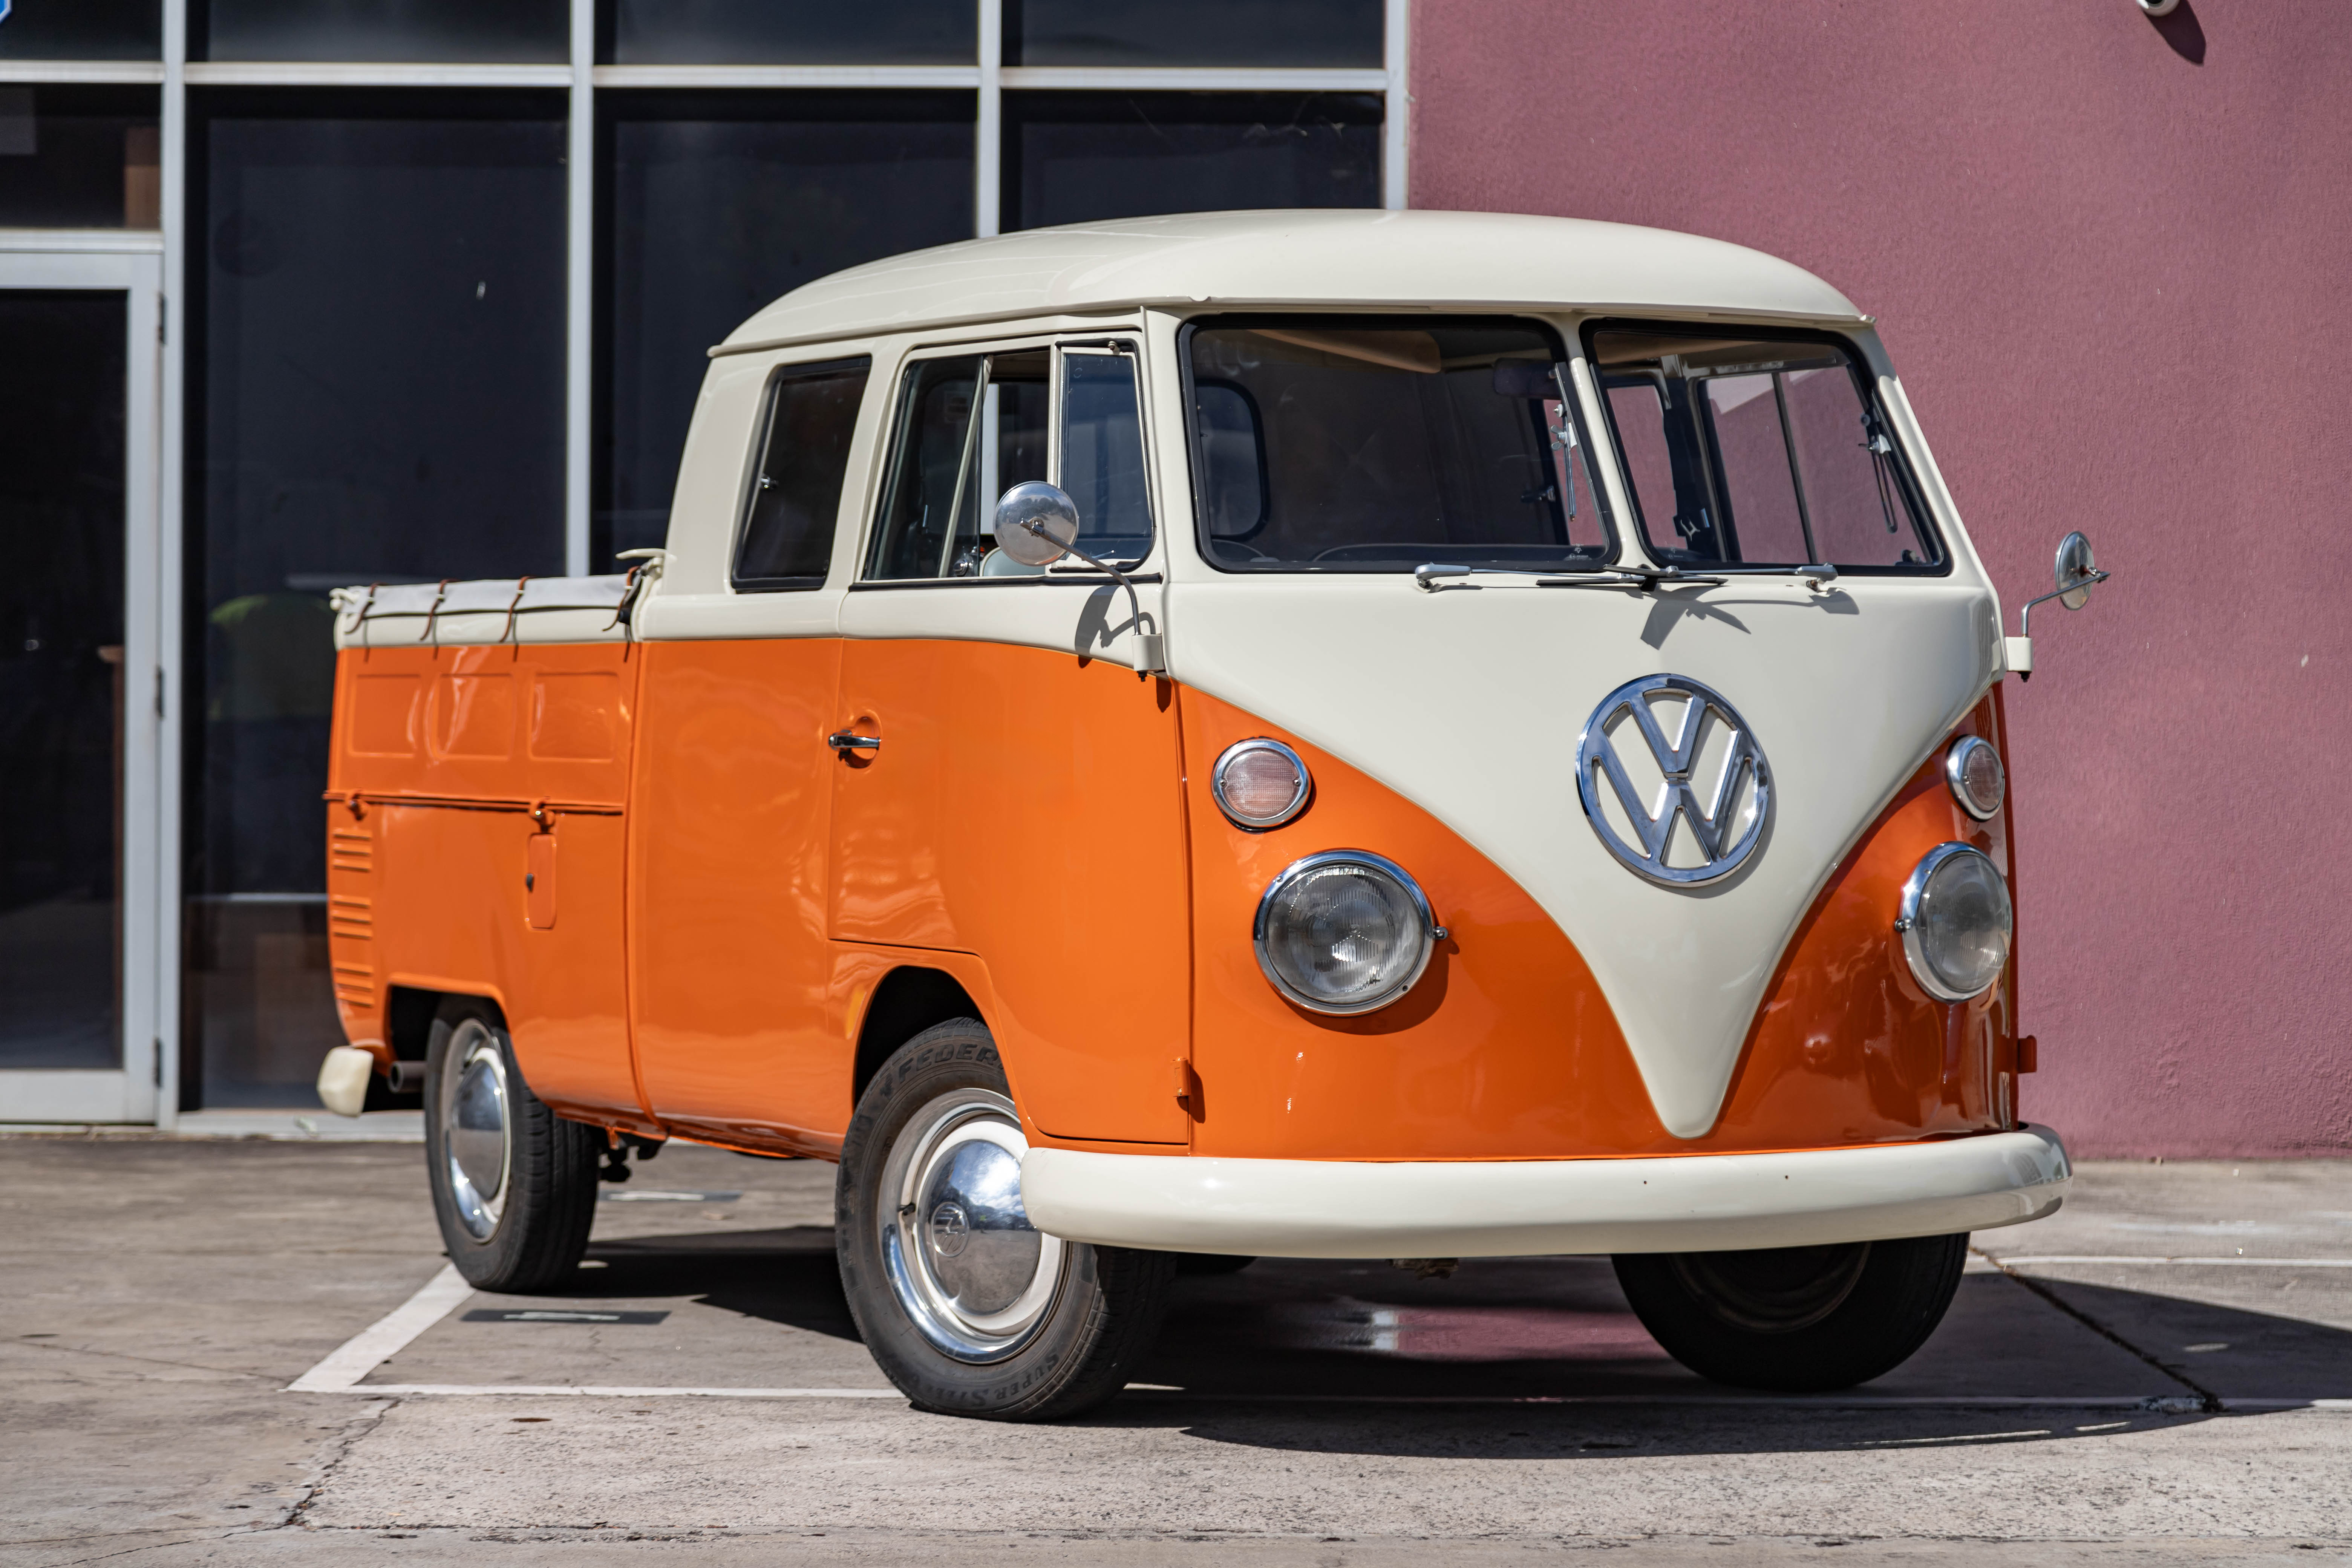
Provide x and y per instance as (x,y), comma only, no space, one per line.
(849,741)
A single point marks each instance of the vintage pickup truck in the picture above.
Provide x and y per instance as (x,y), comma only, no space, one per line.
(1321,734)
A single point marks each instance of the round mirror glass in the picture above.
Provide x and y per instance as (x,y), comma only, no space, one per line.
(1024,509)
(2074,569)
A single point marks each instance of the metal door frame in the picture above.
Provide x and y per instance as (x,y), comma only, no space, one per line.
(131,265)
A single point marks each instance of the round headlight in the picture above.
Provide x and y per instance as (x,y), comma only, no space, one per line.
(1260,785)
(1973,770)
(1955,922)
(1344,932)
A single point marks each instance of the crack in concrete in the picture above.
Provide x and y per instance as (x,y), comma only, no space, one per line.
(357,1427)
(2208,1401)
(149,1360)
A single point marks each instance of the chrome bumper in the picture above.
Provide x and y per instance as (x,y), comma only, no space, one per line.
(1688,1202)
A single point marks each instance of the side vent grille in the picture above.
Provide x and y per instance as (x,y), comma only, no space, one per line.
(356,987)
(350,851)
(350,917)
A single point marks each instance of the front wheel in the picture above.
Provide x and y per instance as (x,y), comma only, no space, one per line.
(1795,1320)
(968,1309)
(514,1185)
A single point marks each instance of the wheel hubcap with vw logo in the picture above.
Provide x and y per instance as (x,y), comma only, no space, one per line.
(973,1276)
(1673,781)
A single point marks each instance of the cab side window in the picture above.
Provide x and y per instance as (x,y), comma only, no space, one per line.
(787,537)
(970,426)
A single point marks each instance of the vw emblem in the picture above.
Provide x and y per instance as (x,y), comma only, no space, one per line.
(950,1229)
(1709,777)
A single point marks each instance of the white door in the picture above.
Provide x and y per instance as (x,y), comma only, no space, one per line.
(82,776)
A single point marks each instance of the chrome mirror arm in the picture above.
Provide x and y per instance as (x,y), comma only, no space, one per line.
(2025,615)
(1151,649)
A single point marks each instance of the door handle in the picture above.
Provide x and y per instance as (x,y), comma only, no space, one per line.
(849,741)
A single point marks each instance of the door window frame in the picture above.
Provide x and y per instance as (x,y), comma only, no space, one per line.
(144,1086)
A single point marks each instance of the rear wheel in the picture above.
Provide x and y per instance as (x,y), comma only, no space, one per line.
(1795,1318)
(514,1185)
(965,1306)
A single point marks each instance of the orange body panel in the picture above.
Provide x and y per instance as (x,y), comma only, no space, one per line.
(727,893)
(1508,1049)
(1025,807)
(443,755)
(1037,826)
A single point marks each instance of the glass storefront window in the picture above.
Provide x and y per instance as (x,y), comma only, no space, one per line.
(488,31)
(378,372)
(761,32)
(714,203)
(1074,157)
(80,157)
(1308,33)
(82,30)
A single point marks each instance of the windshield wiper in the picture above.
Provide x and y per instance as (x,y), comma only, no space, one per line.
(1644,576)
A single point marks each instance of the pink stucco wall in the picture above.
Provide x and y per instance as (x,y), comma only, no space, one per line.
(2112,261)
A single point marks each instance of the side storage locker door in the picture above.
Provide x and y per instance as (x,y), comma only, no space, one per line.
(1024,803)
(727,872)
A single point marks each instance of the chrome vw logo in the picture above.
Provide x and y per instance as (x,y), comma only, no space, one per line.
(1709,778)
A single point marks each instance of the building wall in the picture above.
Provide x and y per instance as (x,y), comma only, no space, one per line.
(2109,256)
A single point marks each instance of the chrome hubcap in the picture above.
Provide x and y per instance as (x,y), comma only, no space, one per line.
(477,1141)
(973,1277)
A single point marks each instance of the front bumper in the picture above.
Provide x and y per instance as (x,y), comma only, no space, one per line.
(1687,1202)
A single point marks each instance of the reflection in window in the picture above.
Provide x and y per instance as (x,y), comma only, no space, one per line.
(1102,454)
(1765,450)
(1362,444)
(491,31)
(80,157)
(770,32)
(379,370)
(947,468)
(796,494)
(83,30)
(1073,157)
(1193,32)
(715,203)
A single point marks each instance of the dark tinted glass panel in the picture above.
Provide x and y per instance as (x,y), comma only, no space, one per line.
(79,157)
(934,485)
(1365,444)
(1102,455)
(1071,157)
(379,396)
(82,30)
(1765,449)
(1192,32)
(796,494)
(743,32)
(716,204)
(61,678)
(499,31)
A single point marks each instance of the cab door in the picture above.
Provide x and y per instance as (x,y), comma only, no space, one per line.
(1007,785)
(728,878)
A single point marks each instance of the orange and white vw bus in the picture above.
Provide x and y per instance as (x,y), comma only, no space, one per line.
(1319,734)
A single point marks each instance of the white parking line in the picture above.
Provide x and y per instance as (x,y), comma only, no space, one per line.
(2016,1260)
(386,1337)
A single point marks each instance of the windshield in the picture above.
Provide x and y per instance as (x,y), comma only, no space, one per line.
(1356,444)
(1766,449)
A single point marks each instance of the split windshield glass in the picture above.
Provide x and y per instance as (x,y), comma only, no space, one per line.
(1380,444)
(1767,449)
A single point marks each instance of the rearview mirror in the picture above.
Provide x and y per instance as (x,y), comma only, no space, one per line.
(1035,523)
(2077,571)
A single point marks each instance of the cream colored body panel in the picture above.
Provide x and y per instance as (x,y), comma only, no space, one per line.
(1693,1203)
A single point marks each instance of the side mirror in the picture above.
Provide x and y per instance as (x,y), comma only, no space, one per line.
(2077,574)
(1035,523)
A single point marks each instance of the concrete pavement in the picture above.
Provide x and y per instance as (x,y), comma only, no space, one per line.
(2143,1378)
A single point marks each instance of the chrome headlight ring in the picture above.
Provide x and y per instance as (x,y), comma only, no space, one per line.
(1916,916)
(1402,976)
(1973,770)
(1257,754)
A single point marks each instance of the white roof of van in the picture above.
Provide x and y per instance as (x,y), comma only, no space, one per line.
(1321,257)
